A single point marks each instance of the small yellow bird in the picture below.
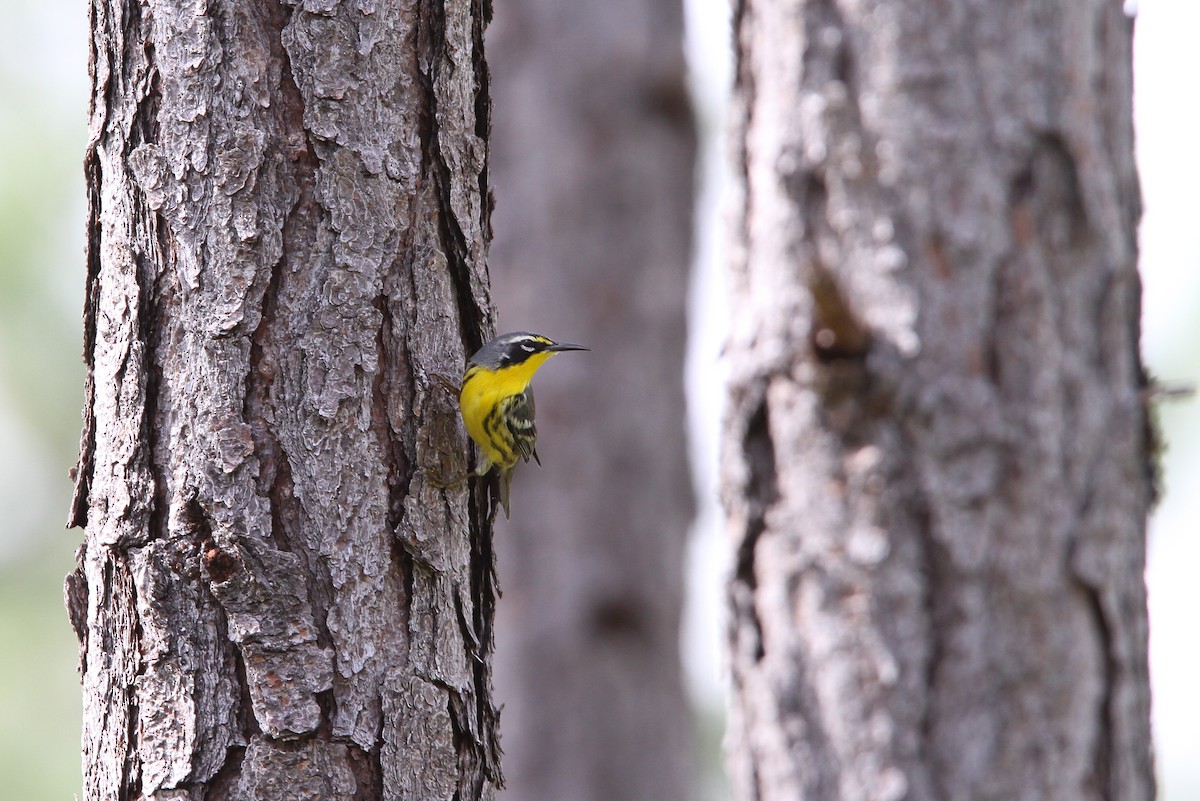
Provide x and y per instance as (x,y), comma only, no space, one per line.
(496,401)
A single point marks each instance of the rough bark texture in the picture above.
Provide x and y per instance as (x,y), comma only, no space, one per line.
(288,222)
(935,460)
(593,161)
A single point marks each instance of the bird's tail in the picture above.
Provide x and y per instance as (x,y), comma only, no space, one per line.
(505,484)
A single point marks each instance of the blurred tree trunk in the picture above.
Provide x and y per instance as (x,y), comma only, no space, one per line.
(936,456)
(288,219)
(593,162)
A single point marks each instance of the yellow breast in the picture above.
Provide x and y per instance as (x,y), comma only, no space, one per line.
(482,389)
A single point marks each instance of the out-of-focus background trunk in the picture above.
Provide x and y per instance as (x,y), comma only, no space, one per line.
(592,163)
(936,464)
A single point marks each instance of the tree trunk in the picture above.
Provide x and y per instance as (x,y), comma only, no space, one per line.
(593,162)
(286,238)
(936,461)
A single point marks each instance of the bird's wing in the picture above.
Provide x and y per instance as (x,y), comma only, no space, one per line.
(521,422)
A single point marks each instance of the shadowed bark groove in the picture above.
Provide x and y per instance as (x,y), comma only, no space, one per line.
(936,315)
(271,599)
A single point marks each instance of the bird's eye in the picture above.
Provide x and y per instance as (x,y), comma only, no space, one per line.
(525,346)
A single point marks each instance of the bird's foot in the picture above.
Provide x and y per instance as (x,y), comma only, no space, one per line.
(437,478)
(447,383)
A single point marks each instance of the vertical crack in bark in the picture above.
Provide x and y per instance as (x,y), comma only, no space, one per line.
(149,229)
(124,641)
(761,493)
(150,328)
(274,474)
(484,590)
(1103,756)
(75,592)
(1101,780)
(81,473)
(367,770)
(216,566)
(744,100)
(479,651)
(399,467)
(473,319)
(1153,445)
(376,759)
(223,785)
(131,773)
(263,363)
(938,582)
(479,640)
(483,111)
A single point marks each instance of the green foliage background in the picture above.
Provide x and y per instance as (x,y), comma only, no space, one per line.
(43,130)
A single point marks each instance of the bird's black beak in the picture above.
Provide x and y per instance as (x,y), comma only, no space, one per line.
(558,347)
